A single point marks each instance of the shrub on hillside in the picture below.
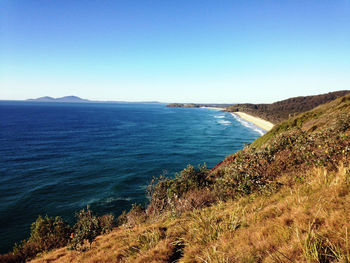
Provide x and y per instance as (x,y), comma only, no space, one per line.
(166,192)
(25,250)
(195,199)
(88,227)
(46,233)
(10,258)
(107,223)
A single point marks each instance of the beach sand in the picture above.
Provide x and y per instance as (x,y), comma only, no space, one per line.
(266,125)
(213,108)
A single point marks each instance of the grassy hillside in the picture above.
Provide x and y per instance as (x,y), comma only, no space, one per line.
(303,222)
(282,110)
(284,198)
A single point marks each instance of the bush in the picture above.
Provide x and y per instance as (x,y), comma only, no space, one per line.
(107,223)
(25,250)
(46,233)
(165,192)
(10,258)
(188,179)
(86,228)
(195,199)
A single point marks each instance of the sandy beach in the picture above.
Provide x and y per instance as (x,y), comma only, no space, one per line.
(213,108)
(263,124)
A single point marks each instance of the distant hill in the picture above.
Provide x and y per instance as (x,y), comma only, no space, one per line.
(80,100)
(62,99)
(282,110)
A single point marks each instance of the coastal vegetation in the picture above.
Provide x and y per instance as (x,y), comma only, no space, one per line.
(275,112)
(284,198)
(282,110)
(48,233)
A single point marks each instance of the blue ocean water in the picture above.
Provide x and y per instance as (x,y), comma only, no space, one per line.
(56,158)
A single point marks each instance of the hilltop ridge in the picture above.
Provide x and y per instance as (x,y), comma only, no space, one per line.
(282,110)
(76,99)
(61,99)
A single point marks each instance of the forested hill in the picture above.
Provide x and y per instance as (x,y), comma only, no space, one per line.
(281,110)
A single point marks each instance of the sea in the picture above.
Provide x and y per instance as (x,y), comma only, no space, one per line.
(57,158)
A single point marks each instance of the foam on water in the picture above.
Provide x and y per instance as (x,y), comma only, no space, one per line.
(224,122)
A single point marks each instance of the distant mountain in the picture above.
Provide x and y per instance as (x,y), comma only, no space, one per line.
(80,100)
(71,99)
(46,98)
(62,99)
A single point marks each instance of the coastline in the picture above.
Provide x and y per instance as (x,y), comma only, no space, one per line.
(212,108)
(262,124)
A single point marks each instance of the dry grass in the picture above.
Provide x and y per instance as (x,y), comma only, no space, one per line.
(278,227)
(306,222)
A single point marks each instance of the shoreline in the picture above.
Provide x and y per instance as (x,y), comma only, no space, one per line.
(256,121)
(260,123)
(212,108)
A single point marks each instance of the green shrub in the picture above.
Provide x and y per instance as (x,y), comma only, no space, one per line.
(46,233)
(86,228)
(25,250)
(188,179)
(165,192)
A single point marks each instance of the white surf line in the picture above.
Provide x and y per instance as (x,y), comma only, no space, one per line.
(248,124)
(257,124)
(261,123)
(211,108)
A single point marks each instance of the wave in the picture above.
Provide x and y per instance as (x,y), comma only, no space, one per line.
(224,122)
(248,124)
(219,116)
(115,199)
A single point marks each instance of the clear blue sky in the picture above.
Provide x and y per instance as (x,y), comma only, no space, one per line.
(174,51)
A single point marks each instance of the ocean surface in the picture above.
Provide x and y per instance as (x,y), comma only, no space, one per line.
(57,158)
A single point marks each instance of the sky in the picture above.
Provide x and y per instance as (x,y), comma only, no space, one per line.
(202,51)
